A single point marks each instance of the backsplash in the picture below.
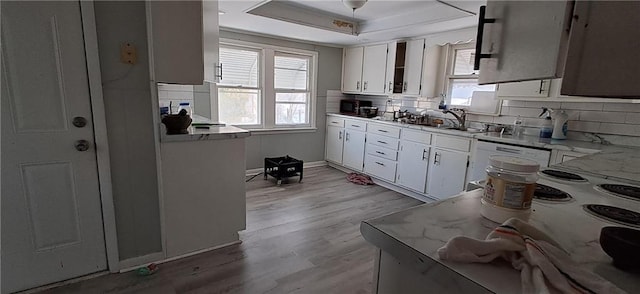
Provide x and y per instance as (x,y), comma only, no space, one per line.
(176,94)
(618,123)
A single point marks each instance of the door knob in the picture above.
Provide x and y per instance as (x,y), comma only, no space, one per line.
(79,121)
(82,145)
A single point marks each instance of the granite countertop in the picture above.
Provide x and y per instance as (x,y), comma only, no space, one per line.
(622,164)
(414,235)
(214,132)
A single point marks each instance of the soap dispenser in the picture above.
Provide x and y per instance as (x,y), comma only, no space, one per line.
(560,126)
(546,130)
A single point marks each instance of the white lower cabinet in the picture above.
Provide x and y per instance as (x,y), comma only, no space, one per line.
(353,151)
(447,172)
(380,167)
(334,144)
(413,164)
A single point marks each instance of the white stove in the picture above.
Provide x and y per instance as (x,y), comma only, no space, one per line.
(586,194)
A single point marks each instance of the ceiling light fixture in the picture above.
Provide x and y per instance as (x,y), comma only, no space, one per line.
(354,4)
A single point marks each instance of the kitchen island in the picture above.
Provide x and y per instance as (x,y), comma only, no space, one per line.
(203,191)
(407,261)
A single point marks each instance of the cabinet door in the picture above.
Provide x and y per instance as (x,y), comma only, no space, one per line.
(447,171)
(526,41)
(353,152)
(211,40)
(413,67)
(335,137)
(525,89)
(603,59)
(176,37)
(431,85)
(391,63)
(373,69)
(413,163)
(352,69)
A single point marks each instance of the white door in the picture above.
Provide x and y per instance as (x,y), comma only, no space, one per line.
(413,163)
(335,137)
(413,67)
(352,69)
(52,226)
(353,154)
(447,171)
(391,67)
(374,68)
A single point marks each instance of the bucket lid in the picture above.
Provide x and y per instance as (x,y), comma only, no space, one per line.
(514,163)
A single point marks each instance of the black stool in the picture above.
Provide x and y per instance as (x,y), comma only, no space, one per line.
(282,167)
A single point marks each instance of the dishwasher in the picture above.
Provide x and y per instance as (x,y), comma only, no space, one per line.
(485,149)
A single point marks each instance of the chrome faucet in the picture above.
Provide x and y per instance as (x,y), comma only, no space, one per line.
(461,118)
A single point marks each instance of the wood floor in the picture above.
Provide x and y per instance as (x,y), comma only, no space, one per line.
(300,238)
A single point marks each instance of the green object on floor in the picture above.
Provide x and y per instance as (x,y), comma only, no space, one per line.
(147,270)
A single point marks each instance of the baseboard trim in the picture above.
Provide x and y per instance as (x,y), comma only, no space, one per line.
(160,261)
(255,171)
(387,185)
(136,262)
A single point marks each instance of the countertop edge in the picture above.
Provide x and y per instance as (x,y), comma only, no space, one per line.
(213,133)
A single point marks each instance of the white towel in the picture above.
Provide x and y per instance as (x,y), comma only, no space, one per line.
(543,266)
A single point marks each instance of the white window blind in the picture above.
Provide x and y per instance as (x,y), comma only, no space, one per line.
(240,67)
(239,93)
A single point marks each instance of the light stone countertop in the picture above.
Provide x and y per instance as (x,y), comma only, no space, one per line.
(622,165)
(414,235)
(214,132)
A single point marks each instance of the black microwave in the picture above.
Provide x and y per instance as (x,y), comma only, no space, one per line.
(352,106)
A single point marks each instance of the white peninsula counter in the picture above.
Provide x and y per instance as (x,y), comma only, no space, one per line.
(203,189)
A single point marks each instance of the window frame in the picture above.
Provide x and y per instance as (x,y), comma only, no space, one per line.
(259,87)
(450,77)
(267,88)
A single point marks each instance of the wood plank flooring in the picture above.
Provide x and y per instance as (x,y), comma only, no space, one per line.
(300,238)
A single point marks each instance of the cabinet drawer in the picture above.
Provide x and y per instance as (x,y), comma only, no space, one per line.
(417,136)
(355,124)
(384,130)
(455,143)
(382,152)
(383,141)
(380,167)
(335,121)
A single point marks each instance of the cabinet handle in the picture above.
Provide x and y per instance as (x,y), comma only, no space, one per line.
(383,131)
(340,135)
(390,86)
(364,86)
(481,22)
(541,87)
(358,85)
(382,142)
(335,122)
(380,163)
(355,126)
(346,136)
(380,152)
(404,86)
(219,76)
(423,152)
(436,159)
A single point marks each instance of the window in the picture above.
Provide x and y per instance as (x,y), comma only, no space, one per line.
(462,79)
(239,91)
(266,88)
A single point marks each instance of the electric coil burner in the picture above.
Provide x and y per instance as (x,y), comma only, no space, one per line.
(624,191)
(560,175)
(544,192)
(614,214)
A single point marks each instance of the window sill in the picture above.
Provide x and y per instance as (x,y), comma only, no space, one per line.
(276,131)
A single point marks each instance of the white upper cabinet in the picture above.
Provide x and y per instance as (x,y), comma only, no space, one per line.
(352,69)
(603,59)
(525,89)
(590,44)
(391,61)
(177,41)
(373,69)
(211,40)
(431,75)
(412,67)
(364,68)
